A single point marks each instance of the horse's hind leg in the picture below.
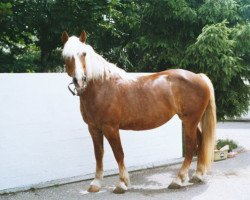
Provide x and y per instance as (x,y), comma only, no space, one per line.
(97,138)
(200,171)
(113,137)
(190,145)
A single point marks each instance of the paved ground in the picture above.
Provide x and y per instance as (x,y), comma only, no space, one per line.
(227,180)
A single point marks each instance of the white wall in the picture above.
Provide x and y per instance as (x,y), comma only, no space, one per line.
(43,137)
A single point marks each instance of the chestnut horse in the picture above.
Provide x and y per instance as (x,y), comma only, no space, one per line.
(111,99)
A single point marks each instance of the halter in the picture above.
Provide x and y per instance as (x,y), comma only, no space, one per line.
(74,91)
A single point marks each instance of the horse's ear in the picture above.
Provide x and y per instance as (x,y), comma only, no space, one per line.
(83,37)
(64,37)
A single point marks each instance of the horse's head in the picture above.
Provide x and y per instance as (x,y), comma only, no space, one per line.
(74,53)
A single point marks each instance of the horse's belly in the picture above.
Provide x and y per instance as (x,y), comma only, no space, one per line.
(148,105)
(145,121)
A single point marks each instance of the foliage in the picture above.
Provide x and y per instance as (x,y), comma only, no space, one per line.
(209,36)
(5,9)
(244,9)
(213,11)
(241,35)
(214,54)
(221,143)
(166,29)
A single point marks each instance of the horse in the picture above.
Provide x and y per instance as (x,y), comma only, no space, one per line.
(111,99)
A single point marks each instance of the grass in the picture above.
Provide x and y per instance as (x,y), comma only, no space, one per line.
(221,143)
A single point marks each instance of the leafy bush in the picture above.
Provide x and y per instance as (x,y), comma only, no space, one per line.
(221,143)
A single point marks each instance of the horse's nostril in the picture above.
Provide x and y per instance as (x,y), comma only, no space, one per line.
(74,80)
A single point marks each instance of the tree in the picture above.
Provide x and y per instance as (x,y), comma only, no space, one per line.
(5,13)
(214,53)
(214,11)
(14,40)
(138,36)
(41,22)
(166,28)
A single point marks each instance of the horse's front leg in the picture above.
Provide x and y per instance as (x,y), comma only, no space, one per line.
(113,137)
(97,138)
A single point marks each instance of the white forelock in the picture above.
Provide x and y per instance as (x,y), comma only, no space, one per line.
(96,66)
(73,47)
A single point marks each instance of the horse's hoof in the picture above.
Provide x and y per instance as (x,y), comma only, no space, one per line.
(196,179)
(120,188)
(174,185)
(93,188)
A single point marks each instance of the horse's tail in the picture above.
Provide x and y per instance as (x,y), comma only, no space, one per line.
(208,126)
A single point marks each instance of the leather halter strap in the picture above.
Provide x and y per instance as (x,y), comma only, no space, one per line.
(73,92)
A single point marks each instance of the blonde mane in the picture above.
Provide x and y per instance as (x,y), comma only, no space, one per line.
(96,66)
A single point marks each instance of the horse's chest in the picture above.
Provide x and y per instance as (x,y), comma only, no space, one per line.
(100,112)
(88,112)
